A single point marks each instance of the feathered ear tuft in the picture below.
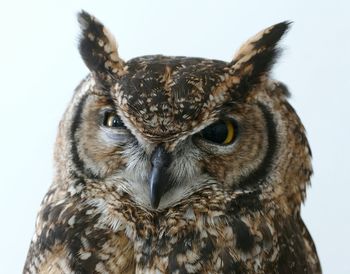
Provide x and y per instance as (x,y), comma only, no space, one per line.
(98,48)
(255,58)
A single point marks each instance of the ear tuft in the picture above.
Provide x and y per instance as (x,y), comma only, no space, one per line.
(98,48)
(255,57)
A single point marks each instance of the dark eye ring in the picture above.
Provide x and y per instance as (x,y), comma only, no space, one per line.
(112,120)
(222,132)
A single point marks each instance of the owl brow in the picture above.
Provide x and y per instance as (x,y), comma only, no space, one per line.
(227,107)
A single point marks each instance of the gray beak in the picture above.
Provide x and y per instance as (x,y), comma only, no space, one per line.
(159,179)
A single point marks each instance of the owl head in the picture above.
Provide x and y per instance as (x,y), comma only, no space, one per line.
(164,129)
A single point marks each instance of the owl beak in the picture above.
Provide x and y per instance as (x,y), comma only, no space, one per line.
(158,179)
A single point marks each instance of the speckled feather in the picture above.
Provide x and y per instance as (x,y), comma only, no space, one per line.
(228,208)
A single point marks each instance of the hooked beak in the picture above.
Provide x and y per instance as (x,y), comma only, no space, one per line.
(158,179)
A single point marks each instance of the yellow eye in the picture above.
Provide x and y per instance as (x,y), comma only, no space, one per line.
(221,132)
(111,119)
(230,132)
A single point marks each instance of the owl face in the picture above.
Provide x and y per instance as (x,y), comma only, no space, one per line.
(164,128)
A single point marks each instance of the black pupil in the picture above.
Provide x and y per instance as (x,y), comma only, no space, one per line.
(116,121)
(216,132)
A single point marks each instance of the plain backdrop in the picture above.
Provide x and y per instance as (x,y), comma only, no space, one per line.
(40,66)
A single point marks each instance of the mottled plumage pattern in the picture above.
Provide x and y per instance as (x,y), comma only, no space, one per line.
(149,193)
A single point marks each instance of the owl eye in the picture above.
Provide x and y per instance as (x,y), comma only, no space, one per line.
(111,119)
(222,132)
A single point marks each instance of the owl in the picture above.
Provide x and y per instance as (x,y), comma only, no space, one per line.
(172,164)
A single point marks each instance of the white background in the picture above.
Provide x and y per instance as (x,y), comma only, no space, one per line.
(40,66)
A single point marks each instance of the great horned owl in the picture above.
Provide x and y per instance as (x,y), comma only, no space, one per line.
(176,165)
